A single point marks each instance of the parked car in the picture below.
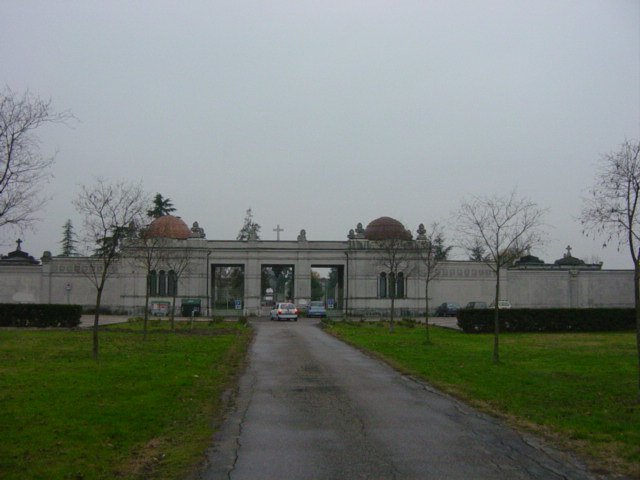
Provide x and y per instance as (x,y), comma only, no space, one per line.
(284,311)
(447,309)
(476,305)
(502,304)
(316,309)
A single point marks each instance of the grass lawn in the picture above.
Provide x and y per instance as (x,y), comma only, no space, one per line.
(578,389)
(146,409)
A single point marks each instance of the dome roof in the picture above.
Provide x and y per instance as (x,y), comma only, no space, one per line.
(385,228)
(168,226)
(529,260)
(570,261)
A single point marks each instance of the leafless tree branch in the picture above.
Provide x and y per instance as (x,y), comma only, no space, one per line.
(23,169)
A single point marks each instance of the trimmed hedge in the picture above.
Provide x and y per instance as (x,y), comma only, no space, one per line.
(39,315)
(549,320)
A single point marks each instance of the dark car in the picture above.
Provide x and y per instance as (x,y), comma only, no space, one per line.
(477,305)
(447,309)
(316,309)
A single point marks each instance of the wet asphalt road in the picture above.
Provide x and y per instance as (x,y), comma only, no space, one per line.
(311,407)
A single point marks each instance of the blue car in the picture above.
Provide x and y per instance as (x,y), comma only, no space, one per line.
(316,309)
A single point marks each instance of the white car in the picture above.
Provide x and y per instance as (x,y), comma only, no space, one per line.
(284,311)
(502,305)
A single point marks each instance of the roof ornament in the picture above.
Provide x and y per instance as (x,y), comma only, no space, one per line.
(278,230)
(197,231)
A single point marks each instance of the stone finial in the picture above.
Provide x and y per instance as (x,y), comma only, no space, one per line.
(46,256)
(196,231)
(303,236)
(352,235)
(422,232)
(359,231)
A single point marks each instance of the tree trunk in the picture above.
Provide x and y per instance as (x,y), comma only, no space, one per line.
(173,312)
(426,311)
(636,285)
(96,321)
(496,321)
(393,304)
(146,306)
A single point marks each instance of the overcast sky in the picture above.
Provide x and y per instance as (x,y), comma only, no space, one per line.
(323,114)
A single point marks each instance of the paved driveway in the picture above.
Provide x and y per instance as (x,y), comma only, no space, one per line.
(311,407)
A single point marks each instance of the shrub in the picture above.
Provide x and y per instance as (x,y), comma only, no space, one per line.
(548,320)
(407,322)
(39,315)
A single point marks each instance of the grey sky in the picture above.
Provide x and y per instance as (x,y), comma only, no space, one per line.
(320,115)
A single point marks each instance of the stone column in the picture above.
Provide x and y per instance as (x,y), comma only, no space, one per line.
(252,293)
(302,280)
(573,289)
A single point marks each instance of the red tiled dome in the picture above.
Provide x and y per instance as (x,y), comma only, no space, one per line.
(168,226)
(385,228)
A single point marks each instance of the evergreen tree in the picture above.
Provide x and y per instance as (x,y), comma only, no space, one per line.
(161,206)
(477,252)
(441,252)
(250,230)
(68,240)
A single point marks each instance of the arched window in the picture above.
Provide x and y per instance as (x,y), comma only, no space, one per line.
(153,283)
(162,283)
(172,284)
(400,285)
(382,285)
(392,286)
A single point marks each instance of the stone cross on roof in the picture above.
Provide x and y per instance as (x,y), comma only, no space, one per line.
(568,250)
(19,242)
(278,230)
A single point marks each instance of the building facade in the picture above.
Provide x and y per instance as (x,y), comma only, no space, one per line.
(243,277)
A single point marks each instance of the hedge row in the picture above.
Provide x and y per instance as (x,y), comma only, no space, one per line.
(549,320)
(39,315)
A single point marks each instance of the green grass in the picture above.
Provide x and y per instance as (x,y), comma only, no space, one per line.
(146,409)
(579,389)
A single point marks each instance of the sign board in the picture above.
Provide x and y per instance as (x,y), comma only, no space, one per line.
(330,303)
(160,309)
(238,304)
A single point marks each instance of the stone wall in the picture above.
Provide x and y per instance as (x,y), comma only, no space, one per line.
(61,280)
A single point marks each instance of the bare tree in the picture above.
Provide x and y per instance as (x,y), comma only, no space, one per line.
(147,251)
(109,211)
(612,210)
(22,168)
(396,255)
(177,260)
(431,252)
(507,227)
